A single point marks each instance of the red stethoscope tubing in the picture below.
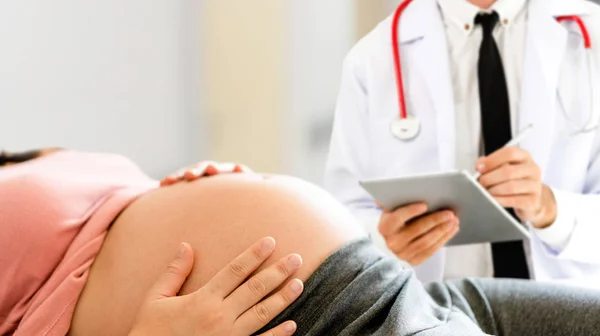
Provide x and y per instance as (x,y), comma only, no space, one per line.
(397,61)
(397,58)
(575,18)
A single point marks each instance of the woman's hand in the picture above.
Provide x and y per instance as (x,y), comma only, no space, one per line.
(202,169)
(227,304)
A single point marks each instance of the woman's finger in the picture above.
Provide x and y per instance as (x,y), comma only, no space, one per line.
(262,284)
(234,274)
(170,281)
(173,178)
(220,168)
(167,181)
(197,171)
(262,313)
(212,170)
(284,329)
(240,168)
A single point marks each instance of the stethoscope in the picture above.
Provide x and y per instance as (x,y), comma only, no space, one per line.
(407,126)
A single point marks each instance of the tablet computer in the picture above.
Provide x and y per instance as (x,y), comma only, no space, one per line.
(482,219)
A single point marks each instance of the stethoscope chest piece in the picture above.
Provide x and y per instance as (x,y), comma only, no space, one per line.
(406,128)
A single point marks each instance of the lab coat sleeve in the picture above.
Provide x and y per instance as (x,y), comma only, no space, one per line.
(575,235)
(558,234)
(349,154)
(349,159)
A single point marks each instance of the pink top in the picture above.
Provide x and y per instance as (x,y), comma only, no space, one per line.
(54,214)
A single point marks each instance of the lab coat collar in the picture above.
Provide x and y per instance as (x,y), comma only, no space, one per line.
(418,20)
(509,10)
(462,13)
(459,13)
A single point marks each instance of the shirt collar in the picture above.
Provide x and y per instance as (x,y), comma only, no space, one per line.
(462,13)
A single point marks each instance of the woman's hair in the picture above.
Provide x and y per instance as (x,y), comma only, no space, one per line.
(7,157)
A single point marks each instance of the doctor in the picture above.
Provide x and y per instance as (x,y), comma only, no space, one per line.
(475,73)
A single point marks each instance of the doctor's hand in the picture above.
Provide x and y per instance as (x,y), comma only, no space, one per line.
(413,236)
(229,304)
(512,177)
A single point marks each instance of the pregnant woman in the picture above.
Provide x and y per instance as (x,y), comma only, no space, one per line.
(93,234)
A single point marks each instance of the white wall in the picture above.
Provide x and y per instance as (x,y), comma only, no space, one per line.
(322,34)
(110,75)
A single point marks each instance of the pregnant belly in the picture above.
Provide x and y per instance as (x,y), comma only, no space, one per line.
(220,217)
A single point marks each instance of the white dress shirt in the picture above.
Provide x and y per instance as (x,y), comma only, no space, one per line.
(464,40)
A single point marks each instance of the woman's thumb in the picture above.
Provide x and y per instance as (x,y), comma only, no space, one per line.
(172,278)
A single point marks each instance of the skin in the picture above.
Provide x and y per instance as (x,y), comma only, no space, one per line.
(219,217)
(227,304)
(414,236)
(484,4)
(510,175)
(515,181)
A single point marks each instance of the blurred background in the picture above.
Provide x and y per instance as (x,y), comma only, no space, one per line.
(171,82)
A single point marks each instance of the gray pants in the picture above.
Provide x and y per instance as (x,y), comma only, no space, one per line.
(512,307)
(359,291)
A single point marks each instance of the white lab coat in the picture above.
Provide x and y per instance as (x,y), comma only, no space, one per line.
(555,78)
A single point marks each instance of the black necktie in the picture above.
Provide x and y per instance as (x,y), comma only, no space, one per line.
(509,258)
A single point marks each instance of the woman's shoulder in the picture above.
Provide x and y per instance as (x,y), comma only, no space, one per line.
(47,205)
(65,182)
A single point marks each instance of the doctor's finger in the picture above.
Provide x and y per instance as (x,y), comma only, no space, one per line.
(427,240)
(516,187)
(379,205)
(425,254)
(529,202)
(425,224)
(402,243)
(509,172)
(392,222)
(502,156)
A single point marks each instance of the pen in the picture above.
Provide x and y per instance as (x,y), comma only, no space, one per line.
(515,141)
